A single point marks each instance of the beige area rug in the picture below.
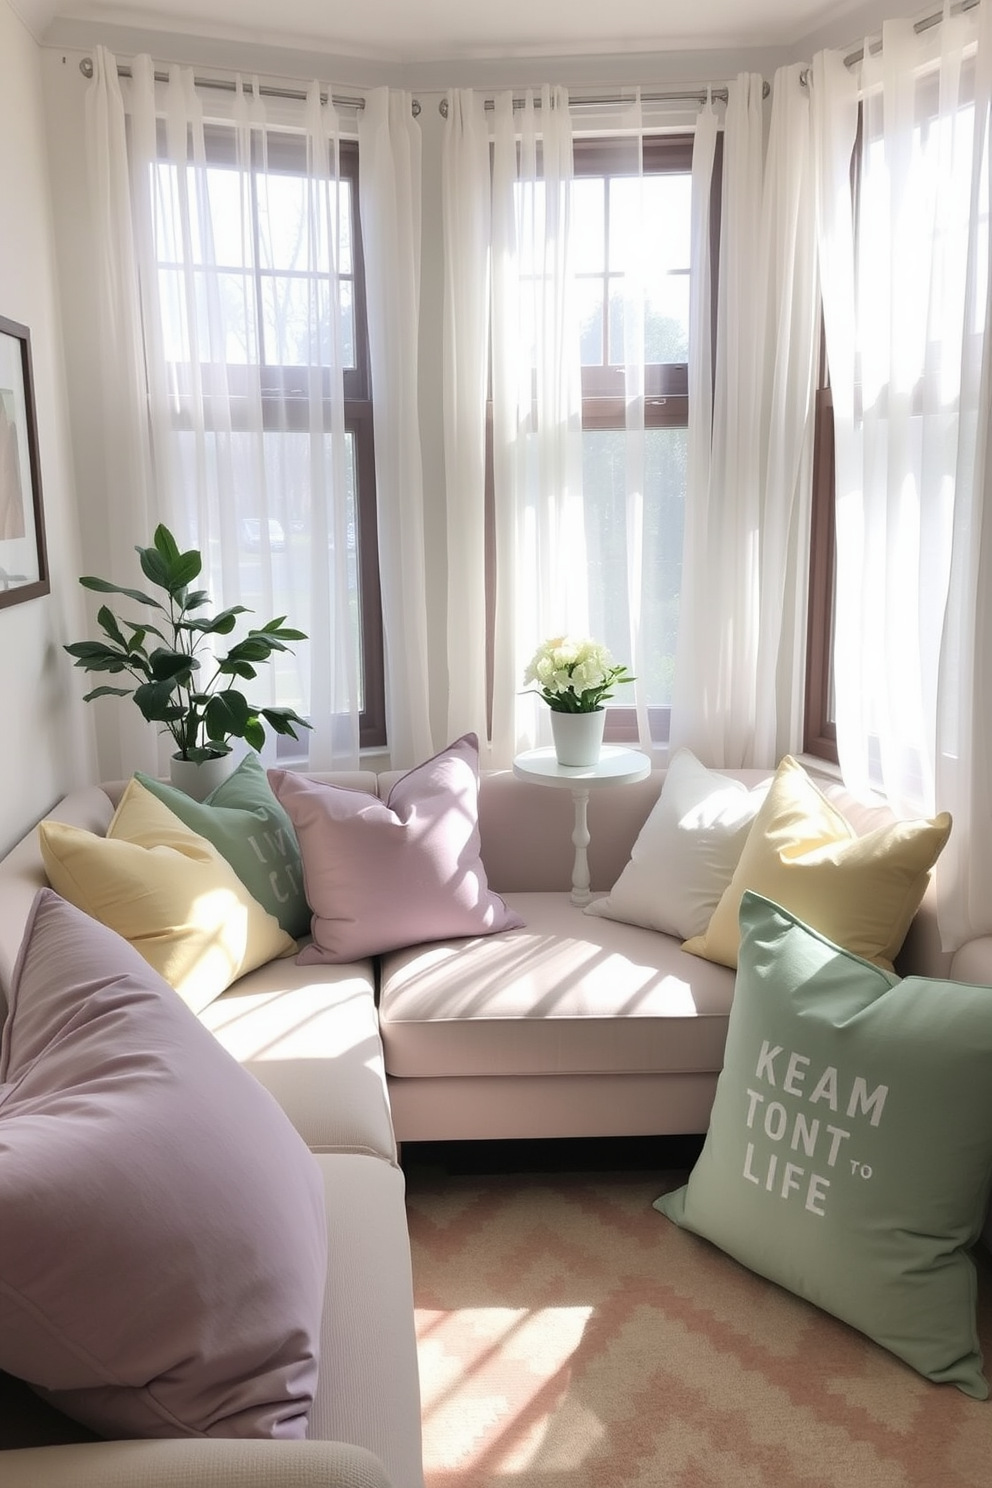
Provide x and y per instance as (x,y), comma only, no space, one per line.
(570,1335)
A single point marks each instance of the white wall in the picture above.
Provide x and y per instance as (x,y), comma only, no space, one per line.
(45,735)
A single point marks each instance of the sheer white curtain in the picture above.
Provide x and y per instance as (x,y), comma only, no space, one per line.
(741,628)
(911,673)
(236,210)
(541,582)
(788,297)
(466,226)
(390,175)
(127,517)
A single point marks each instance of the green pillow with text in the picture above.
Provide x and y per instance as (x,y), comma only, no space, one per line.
(849,1152)
(246,824)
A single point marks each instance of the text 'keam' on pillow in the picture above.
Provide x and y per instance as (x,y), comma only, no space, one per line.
(384,874)
(849,1151)
(163,1246)
(168,892)
(685,853)
(861,892)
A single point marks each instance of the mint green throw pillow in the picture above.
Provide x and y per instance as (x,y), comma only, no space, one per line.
(247,826)
(849,1151)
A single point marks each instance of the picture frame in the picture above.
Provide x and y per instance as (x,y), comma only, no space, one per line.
(23,550)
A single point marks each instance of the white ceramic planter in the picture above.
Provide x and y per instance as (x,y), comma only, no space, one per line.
(578,736)
(198,780)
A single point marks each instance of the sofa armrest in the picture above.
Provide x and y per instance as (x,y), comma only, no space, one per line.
(194,1463)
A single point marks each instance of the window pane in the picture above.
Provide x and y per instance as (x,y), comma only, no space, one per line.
(589,301)
(223,235)
(299,221)
(588,240)
(297,322)
(604,484)
(651,214)
(207,317)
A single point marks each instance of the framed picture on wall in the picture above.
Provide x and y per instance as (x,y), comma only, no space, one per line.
(23,555)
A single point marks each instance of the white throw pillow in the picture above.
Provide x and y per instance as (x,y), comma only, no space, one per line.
(686,851)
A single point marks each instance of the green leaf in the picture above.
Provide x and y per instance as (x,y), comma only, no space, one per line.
(155,699)
(227,713)
(101,586)
(94,651)
(283,632)
(154,566)
(107,621)
(254,733)
(221,624)
(186,568)
(243,669)
(172,666)
(139,632)
(250,649)
(281,720)
(197,599)
(107,692)
(166,566)
(165,544)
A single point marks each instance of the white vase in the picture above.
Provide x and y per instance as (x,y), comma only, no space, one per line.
(199,779)
(578,736)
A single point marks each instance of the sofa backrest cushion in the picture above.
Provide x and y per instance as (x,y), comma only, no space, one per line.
(163,1239)
(384,874)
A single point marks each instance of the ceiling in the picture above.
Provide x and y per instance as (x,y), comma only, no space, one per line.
(410,31)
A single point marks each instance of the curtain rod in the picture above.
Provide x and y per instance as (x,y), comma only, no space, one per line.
(614,100)
(918,26)
(264,90)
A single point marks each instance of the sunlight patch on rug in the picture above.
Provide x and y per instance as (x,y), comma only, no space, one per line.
(493,1380)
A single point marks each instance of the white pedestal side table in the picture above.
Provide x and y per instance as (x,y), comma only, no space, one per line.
(616,766)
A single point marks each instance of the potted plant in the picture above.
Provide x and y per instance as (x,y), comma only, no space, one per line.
(163,655)
(575,677)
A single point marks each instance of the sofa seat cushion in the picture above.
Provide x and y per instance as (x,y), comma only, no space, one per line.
(567,994)
(310,1035)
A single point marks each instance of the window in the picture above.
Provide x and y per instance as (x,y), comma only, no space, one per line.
(262,306)
(608,210)
(611,192)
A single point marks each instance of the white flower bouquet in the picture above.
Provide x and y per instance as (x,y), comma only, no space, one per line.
(574,676)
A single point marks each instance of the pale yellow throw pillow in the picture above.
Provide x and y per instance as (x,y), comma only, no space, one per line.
(167,891)
(860,892)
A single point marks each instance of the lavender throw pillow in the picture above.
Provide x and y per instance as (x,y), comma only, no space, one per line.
(163,1241)
(383,874)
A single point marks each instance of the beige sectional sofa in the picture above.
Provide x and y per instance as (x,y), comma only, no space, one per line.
(310,1035)
(574,1025)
